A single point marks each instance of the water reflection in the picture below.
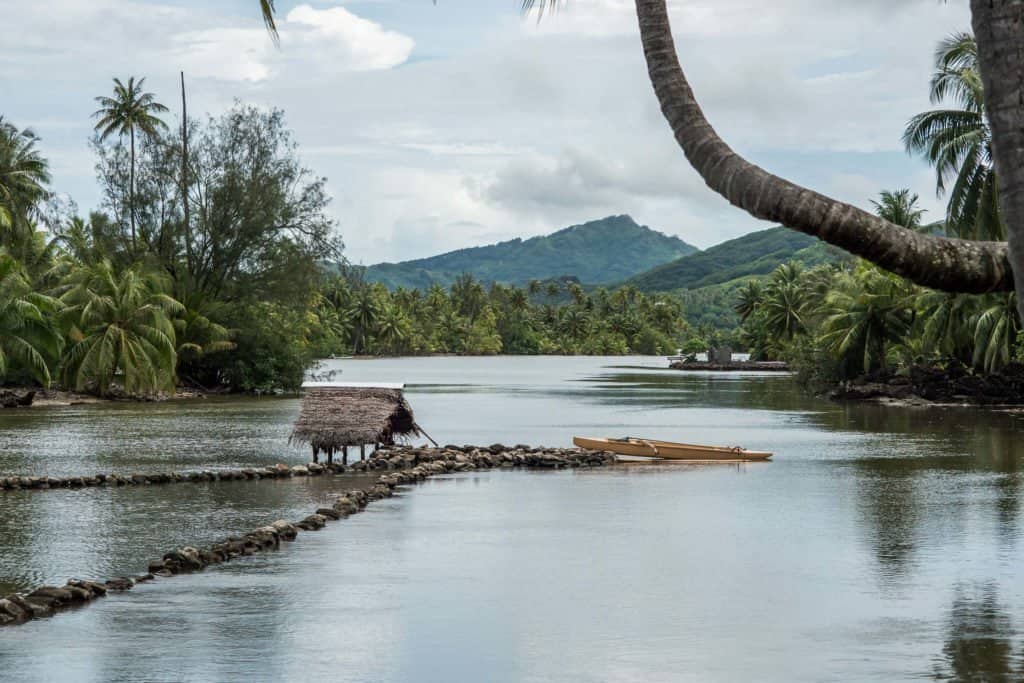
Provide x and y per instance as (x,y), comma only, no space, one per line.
(841,556)
(980,637)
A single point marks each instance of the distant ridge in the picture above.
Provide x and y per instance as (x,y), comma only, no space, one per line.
(758,253)
(604,251)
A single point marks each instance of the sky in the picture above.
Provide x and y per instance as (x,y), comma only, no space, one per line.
(464,123)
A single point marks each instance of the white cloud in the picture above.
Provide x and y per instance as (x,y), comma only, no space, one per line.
(315,44)
(494,127)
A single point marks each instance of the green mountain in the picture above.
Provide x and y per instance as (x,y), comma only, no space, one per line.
(758,253)
(605,251)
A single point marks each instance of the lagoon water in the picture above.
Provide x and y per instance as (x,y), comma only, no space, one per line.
(882,544)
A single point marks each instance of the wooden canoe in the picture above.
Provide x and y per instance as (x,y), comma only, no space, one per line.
(668,450)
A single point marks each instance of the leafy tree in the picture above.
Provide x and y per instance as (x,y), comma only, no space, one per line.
(121,328)
(129,110)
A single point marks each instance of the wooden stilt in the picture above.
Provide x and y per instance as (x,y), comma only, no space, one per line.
(330,456)
(362,451)
(344,455)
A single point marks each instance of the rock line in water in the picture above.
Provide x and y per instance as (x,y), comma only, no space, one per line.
(406,465)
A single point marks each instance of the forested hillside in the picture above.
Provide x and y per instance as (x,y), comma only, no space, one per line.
(604,251)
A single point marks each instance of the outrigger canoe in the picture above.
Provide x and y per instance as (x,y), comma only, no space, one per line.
(668,450)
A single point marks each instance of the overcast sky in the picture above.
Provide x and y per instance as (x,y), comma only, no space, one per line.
(460,124)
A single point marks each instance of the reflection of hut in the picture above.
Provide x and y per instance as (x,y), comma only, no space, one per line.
(335,416)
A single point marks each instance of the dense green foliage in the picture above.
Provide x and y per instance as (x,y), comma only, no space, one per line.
(839,321)
(135,298)
(755,254)
(471,318)
(600,252)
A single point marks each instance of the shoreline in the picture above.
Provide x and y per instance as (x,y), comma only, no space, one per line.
(13,397)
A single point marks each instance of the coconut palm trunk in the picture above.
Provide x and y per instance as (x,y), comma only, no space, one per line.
(999,31)
(941,263)
(131,188)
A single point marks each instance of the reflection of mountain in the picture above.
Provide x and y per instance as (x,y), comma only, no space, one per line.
(978,643)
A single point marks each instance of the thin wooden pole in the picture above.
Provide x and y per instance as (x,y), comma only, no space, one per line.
(362,451)
(424,433)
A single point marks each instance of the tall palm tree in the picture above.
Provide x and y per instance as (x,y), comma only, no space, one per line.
(899,207)
(392,328)
(129,110)
(363,313)
(27,334)
(24,174)
(121,325)
(957,141)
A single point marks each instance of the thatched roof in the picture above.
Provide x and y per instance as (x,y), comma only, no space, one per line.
(336,415)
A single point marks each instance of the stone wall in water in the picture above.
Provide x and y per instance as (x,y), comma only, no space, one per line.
(403,465)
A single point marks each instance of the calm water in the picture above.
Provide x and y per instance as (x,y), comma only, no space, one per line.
(882,544)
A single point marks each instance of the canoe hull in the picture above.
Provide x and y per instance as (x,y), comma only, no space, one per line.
(668,450)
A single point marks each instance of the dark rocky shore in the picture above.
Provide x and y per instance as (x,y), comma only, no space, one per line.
(402,465)
(922,385)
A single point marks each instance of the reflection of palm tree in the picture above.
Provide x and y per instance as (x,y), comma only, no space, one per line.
(891,508)
(978,645)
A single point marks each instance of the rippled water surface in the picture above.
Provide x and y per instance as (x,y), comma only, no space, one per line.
(882,544)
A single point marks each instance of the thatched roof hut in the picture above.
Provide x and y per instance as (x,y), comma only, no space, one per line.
(335,416)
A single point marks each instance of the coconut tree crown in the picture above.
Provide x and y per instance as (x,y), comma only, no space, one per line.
(957,141)
(129,108)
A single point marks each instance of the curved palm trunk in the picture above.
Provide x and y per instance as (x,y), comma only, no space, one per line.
(941,263)
(999,30)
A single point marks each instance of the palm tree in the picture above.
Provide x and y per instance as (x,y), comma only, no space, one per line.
(946,324)
(27,333)
(363,313)
(120,325)
(957,141)
(392,328)
(24,174)
(995,331)
(748,300)
(899,208)
(197,335)
(864,313)
(575,323)
(130,109)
